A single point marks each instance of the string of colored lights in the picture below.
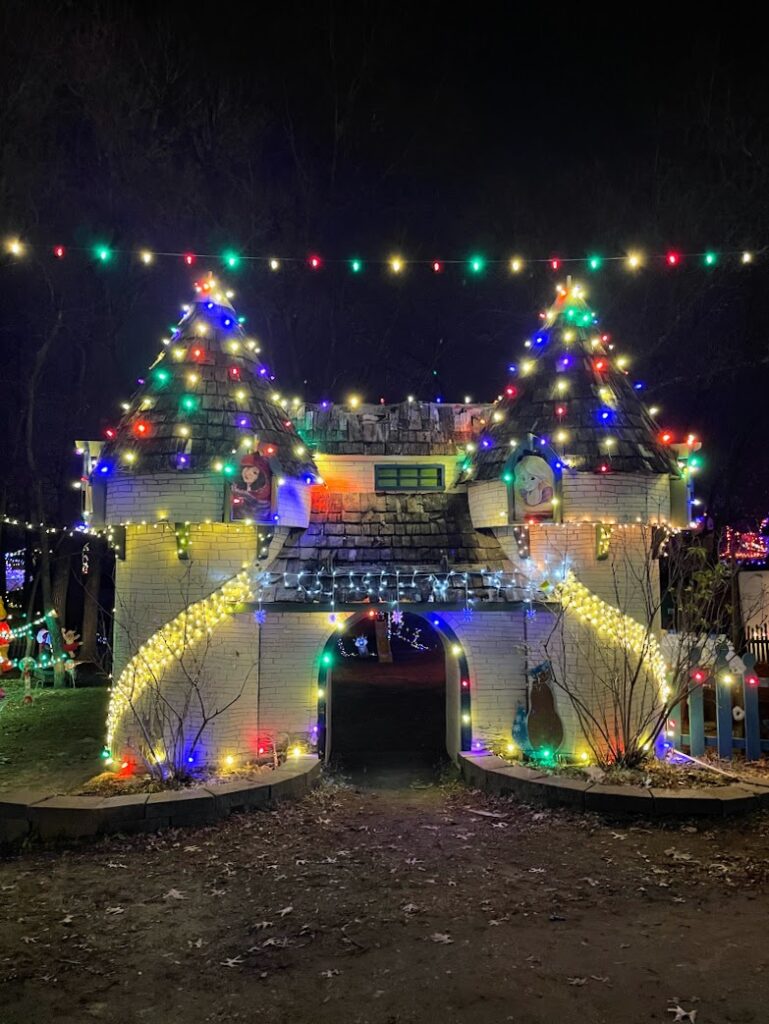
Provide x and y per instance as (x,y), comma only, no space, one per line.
(170,643)
(614,626)
(476,264)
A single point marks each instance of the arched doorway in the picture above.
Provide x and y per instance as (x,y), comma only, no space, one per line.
(390,689)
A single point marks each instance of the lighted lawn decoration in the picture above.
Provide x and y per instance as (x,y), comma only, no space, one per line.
(5,640)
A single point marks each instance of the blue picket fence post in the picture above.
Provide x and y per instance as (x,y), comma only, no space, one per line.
(750,682)
(729,712)
(697,720)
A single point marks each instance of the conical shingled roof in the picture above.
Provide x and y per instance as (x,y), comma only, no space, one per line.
(206,400)
(572,393)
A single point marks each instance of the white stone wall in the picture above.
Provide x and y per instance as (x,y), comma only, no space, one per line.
(177,497)
(628,578)
(615,497)
(488,502)
(152,585)
(355,473)
(277,665)
(193,498)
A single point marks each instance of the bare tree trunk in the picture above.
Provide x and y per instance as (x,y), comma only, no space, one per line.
(45,550)
(89,650)
(62,566)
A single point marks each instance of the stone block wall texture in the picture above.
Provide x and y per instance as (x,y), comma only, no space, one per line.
(193,498)
(619,579)
(488,503)
(616,497)
(177,497)
(152,585)
(274,667)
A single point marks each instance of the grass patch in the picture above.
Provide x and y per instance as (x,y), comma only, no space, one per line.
(54,742)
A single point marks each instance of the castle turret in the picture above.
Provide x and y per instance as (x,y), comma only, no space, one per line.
(571,460)
(203,438)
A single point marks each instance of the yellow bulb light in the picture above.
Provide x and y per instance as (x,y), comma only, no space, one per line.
(396,264)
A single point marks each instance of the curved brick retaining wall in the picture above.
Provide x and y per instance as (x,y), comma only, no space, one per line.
(497,776)
(23,815)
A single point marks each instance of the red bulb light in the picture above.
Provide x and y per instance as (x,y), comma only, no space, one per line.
(673,259)
(314,262)
(698,676)
(555,264)
(437,266)
(600,365)
(58,251)
(142,428)
(510,391)
(603,468)
(235,372)
(560,410)
(270,449)
(465,684)
(189,259)
(666,437)
(110,433)
(752,680)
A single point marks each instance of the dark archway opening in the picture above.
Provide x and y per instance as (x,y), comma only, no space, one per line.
(388,694)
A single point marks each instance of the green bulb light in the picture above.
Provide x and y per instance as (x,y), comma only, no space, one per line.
(710,259)
(230,259)
(189,403)
(102,253)
(356,266)
(326,659)
(229,469)
(162,377)
(507,477)
(595,262)
(477,263)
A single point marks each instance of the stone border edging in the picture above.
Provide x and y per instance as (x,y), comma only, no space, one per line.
(495,775)
(23,816)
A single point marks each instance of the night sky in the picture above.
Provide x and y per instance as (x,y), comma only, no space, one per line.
(364,130)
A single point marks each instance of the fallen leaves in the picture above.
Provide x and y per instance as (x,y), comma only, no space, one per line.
(443,938)
(681,1014)
(173,894)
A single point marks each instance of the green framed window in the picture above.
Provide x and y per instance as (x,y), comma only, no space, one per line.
(394,477)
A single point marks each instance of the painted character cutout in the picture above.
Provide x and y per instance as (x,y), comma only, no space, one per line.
(5,641)
(534,488)
(543,724)
(361,646)
(251,496)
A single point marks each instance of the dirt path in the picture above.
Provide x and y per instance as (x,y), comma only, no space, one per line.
(393,907)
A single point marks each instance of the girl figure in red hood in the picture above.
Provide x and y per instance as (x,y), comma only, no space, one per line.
(252,494)
(5,640)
